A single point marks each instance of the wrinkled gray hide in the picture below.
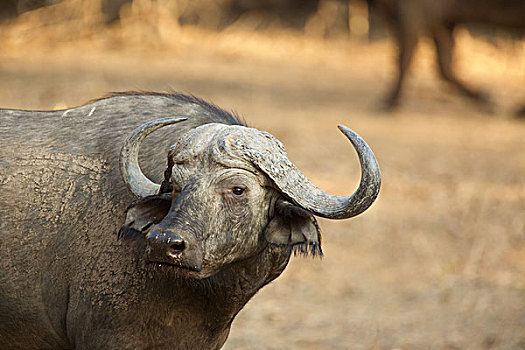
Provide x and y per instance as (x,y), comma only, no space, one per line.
(85,264)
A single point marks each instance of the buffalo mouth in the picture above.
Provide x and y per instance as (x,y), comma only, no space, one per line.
(180,269)
(171,259)
(173,265)
(177,265)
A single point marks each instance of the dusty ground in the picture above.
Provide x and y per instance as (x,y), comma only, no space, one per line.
(437,263)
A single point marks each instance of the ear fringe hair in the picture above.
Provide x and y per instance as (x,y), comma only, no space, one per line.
(308,248)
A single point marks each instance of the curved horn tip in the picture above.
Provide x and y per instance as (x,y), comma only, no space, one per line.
(176,118)
(168,120)
(348,132)
(370,171)
(130,170)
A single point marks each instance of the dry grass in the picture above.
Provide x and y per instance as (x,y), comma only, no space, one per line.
(439,260)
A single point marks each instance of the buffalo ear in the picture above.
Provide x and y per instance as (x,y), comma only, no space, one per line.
(296,227)
(143,213)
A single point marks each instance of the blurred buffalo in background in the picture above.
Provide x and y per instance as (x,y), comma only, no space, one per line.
(217,15)
(291,13)
(410,19)
(12,8)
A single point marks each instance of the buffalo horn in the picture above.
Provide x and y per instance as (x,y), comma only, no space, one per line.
(294,184)
(134,178)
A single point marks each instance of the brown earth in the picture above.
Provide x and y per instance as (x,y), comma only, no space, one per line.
(437,263)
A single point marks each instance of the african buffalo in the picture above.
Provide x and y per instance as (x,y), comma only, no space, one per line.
(410,19)
(95,255)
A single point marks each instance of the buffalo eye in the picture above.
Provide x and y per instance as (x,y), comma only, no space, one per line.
(238,191)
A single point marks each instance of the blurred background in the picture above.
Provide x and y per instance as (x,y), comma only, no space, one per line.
(438,262)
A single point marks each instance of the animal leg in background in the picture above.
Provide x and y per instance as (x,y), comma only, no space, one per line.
(406,38)
(444,41)
(520,113)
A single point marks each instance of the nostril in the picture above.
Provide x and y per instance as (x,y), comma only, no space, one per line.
(176,246)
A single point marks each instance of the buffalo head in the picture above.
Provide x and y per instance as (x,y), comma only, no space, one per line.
(229,191)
